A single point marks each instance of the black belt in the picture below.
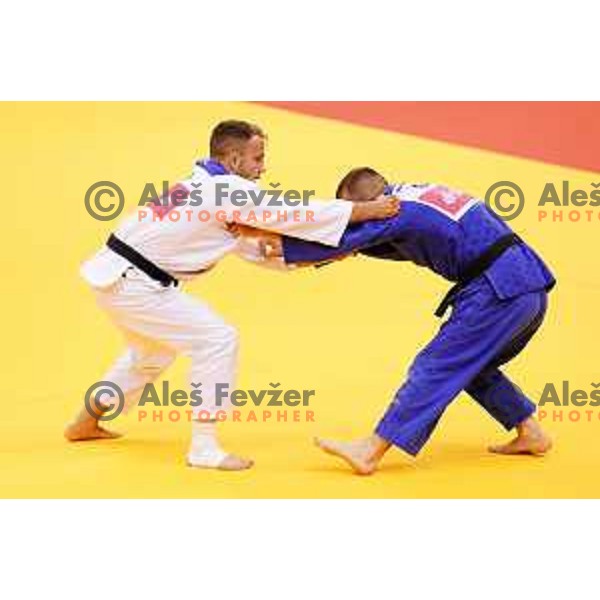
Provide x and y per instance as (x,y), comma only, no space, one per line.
(137,260)
(476,268)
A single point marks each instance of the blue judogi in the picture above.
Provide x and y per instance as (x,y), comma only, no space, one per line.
(493,318)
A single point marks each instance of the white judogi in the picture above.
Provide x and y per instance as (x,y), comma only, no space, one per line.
(160,322)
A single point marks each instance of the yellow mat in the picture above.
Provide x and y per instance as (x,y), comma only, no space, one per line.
(348,331)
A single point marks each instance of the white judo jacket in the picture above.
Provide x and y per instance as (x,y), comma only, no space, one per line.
(193,243)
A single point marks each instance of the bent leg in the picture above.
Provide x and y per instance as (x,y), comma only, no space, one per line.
(178,323)
(165,322)
(479,328)
(501,398)
(190,327)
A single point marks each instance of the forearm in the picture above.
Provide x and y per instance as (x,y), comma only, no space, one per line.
(317,220)
(367,211)
(356,237)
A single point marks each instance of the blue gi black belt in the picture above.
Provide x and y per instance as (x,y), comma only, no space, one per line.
(137,260)
(477,268)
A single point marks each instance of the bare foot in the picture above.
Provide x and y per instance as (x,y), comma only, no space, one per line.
(358,454)
(231,462)
(531,439)
(83,432)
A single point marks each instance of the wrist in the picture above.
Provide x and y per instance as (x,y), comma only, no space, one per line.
(359,212)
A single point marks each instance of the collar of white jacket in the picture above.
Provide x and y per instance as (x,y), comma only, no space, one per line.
(211,166)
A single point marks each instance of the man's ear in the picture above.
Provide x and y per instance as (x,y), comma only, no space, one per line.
(344,194)
(235,159)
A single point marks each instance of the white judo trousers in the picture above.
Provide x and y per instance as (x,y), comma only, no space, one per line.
(159,323)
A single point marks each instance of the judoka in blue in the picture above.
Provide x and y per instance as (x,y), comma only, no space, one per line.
(494,314)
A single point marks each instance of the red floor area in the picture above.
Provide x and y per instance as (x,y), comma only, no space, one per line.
(564,133)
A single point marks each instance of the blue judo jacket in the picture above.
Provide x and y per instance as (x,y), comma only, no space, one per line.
(441,229)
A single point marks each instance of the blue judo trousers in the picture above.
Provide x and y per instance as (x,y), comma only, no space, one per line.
(493,316)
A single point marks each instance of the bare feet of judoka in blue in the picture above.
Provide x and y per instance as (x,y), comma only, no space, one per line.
(365,454)
(362,455)
(531,439)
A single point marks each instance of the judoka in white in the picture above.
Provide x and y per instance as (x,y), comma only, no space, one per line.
(135,279)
